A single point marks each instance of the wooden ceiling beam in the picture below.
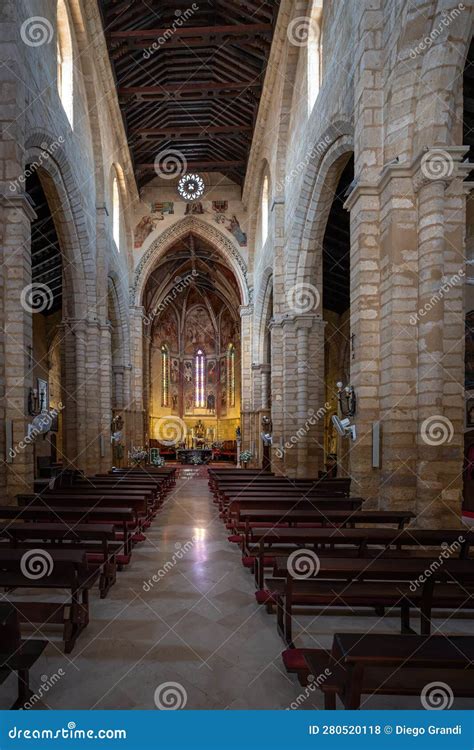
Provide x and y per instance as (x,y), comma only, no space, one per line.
(209,166)
(176,90)
(203,32)
(200,132)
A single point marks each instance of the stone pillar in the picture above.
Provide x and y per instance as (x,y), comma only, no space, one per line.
(246,317)
(441,222)
(106,403)
(277,412)
(135,430)
(16,215)
(363,204)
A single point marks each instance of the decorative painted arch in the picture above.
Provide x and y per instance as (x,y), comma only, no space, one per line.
(44,150)
(166,239)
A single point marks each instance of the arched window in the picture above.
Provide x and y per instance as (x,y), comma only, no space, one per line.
(314,53)
(165,376)
(199,389)
(65,72)
(116,212)
(231,374)
(264,210)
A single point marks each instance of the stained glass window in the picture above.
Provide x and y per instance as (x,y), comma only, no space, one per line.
(165,376)
(199,392)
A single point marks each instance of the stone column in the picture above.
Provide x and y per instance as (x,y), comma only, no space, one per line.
(441,221)
(135,429)
(277,413)
(106,403)
(16,215)
(246,318)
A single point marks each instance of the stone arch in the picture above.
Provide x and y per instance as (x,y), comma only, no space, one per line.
(304,259)
(261,310)
(45,151)
(166,239)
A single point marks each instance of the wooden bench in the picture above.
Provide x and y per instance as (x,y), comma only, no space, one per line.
(68,571)
(265,545)
(17,655)
(373,583)
(125,518)
(97,540)
(377,664)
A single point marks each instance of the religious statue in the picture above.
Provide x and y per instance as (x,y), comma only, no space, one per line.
(199,434)
(199,429)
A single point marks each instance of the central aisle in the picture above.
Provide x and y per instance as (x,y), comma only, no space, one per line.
(199,626)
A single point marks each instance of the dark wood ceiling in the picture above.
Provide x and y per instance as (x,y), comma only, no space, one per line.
(337,247)
(46,257)
(190,80)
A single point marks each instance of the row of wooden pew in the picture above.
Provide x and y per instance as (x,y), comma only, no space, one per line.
(74,535)
(313,548)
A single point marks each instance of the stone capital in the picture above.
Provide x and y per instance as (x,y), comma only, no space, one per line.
(265,368)
(245,310)
(18,201)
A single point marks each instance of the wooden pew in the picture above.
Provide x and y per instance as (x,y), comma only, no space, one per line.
(69,571)
(266,544)
(247,519)
(97,540)
(374,583)
(236,507)
(17,655)
(125,518)
(376,664)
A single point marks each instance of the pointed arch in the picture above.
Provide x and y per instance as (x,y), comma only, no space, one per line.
(159,247)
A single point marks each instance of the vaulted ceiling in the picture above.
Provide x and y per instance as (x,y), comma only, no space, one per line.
(191,265)
(189,78)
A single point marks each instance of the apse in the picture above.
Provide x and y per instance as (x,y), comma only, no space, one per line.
(192,342)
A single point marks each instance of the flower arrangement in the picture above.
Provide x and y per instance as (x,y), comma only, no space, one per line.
(245,457)
(158,461)
(137,455)
(196,460)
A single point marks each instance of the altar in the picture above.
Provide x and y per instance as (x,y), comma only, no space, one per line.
(185,455)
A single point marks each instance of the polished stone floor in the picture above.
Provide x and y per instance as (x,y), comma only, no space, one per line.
(198,627)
